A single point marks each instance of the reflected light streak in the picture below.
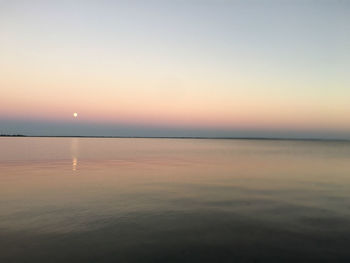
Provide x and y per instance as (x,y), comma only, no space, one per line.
(74,148)
(74,163)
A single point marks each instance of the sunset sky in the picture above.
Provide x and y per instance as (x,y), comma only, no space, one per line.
(175,68)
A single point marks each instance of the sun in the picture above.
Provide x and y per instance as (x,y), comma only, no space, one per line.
(75,114)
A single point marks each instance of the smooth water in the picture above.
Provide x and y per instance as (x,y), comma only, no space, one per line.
(174,200)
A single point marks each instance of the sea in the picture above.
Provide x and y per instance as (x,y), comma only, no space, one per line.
(174,200)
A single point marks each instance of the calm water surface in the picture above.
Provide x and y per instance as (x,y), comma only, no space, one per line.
(173,200)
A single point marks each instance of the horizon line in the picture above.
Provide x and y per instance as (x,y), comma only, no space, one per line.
(180,137)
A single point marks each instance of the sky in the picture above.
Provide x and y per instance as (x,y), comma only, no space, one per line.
(175,68)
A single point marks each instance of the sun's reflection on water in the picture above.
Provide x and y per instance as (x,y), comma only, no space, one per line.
(74,163)
(74,153)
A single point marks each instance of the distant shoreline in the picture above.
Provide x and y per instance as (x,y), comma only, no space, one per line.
(177,137)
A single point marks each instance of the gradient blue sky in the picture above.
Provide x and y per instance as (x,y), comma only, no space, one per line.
(175,68)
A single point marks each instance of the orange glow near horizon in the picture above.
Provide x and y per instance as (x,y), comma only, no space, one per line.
(272,116)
